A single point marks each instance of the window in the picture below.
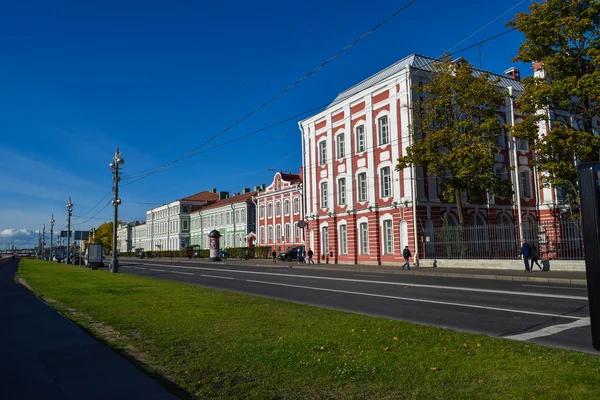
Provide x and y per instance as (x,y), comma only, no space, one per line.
(278,233)
(262,234)
(286,207)
(343,239)
(322,153)
(363,232)
(386,182)
(184,225)
(341,146)
(237,216)
(325,240)
(277,208)
(296,205)
(270,234)
(324,195)
(522,145)
(277,184)
(288,232)
(262,212)
(185,209)
(388,237)
(525,184)
(362,186)
(243,215)
(342,191)
(297,230)
(501,173)
(360,138)
(384,130)
(270,210)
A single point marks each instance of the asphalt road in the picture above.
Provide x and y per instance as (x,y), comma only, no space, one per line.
(549,314)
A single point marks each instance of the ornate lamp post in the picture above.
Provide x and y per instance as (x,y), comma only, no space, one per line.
(114,165)
(52,221)
(70,212)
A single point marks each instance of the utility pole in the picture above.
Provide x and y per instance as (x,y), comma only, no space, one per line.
(43,240)
(70,212)
(39,244)
(114,165)
(51,234)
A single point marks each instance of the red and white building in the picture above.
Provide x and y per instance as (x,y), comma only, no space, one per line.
(359,209)
(279,212)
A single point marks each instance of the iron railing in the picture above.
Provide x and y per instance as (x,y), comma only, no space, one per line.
(561,240)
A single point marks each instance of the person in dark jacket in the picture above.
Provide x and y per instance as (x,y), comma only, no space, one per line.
(535,256)
(274,255)
(525,252)
(406,254)
(310,256)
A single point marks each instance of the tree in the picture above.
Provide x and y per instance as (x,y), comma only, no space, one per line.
(455,133)
(104,235)
(564,37)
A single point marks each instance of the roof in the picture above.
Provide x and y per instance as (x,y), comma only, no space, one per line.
(291,178)
(240,198)
(415,61)
(203,196)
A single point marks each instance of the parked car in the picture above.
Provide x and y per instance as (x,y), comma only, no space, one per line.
(290,254)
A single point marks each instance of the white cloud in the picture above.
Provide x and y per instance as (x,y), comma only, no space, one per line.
(18,238)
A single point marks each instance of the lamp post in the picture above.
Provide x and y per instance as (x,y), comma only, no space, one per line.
(114,165)
(43,240)
(70,212)
(52,221)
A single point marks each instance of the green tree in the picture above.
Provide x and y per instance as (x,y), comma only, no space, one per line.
(104,235)
(564,36)
(455,133)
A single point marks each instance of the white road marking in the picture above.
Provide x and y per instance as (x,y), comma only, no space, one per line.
(550,330)
(405,284)
(182,273)
(157,270)
(419,300)
(369,276)
(557,287)
(215,276)
(139,268)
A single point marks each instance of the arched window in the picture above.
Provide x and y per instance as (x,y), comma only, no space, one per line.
(262,212)
(277,208)
(296,205)
(506,234)
(270,210)
(286,207)
(479,236)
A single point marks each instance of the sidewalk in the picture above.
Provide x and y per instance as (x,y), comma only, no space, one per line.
(514,274)
(46,356)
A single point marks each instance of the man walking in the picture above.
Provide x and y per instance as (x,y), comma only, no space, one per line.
(310,256)
(406,254)
(274,255)
(525,252)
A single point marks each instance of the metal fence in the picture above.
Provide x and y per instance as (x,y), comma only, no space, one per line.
(561,240)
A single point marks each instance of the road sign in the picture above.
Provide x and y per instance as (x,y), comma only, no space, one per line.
(64,234)
(82,235)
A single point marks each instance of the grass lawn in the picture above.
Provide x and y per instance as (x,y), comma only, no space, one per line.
(219,344)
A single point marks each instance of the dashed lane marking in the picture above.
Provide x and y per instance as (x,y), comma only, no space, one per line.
(220,277)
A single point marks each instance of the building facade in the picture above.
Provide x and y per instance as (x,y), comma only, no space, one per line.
(234,217)
(360,209)
(280,213)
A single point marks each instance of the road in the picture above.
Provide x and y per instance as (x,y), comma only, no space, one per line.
(554,315)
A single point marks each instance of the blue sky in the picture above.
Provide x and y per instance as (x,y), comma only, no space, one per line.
(158,79)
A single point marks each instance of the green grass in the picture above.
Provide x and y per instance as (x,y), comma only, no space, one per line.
(219,344)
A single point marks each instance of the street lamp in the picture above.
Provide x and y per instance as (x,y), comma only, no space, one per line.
(70,212)
(114,165)
(43,241)
(52,221)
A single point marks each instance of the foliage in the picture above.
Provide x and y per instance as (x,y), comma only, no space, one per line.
(218,344)
(104,235)
(455,133)
(565,37)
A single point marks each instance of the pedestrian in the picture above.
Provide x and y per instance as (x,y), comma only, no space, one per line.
(274,255)
(299,255)
(535,254)
(525,252)
(310,256)
(406,254)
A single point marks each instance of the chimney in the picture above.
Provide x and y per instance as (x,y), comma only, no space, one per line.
(262,187)
(213,190)
(223,195)
(513,73)
(245,190)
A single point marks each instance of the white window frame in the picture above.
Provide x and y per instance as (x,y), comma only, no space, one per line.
(525,184)
(361,144)
(262,213)
(386,182)
(286,207)
(270,210)
(278,208)
(341,145)
(342,191)
(388,236)
(383,129)
(363,235)
(322,152)
(288,232)
(296,205)
(361,187)
(343,237)
(325,239)
(324,194)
